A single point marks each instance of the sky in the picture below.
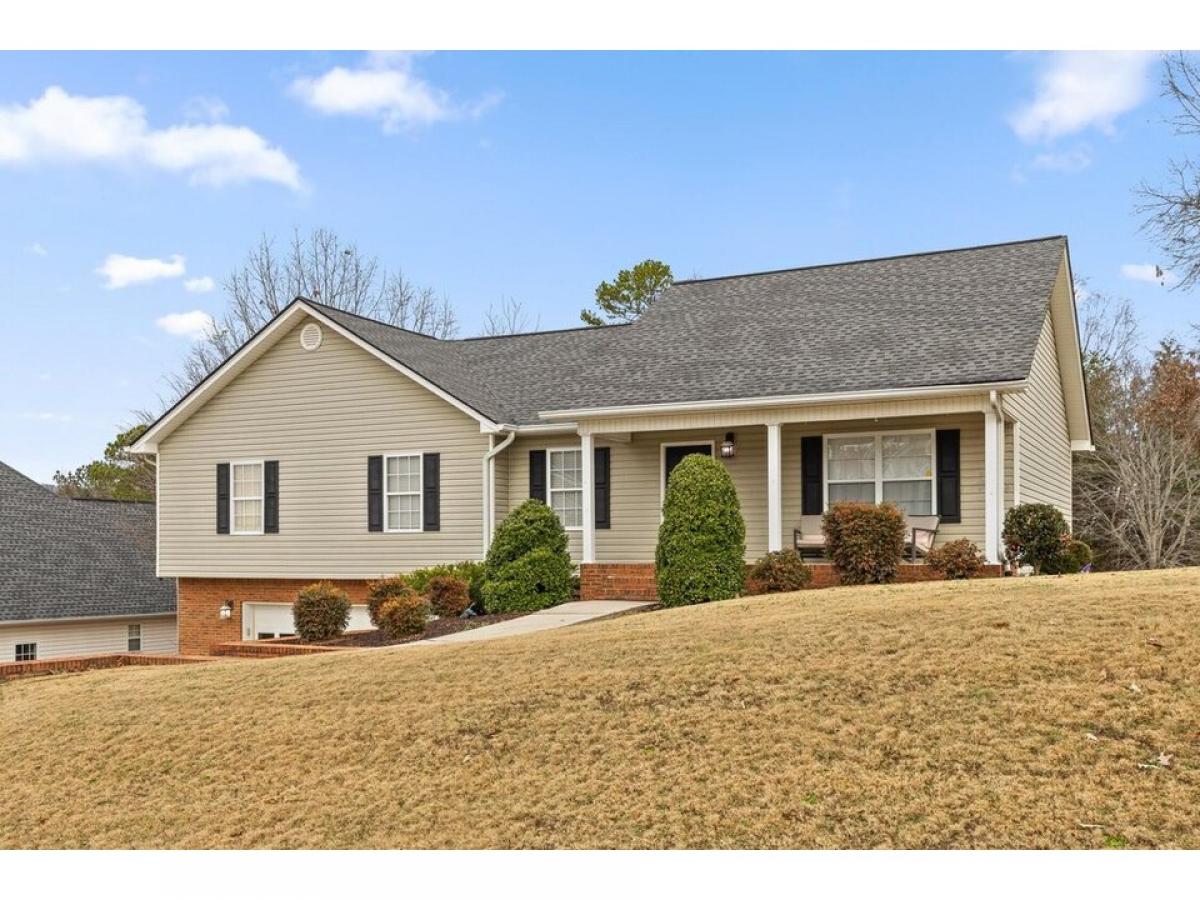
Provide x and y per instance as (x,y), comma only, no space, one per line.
(132,184)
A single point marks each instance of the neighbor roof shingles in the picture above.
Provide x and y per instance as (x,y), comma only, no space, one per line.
(951,317)
(63,558)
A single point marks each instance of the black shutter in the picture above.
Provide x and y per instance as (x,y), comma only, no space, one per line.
(600,480)
(271,496)
(537,475)
(431,488)
(812,501)
(948,476)
(374,493)
(222,498)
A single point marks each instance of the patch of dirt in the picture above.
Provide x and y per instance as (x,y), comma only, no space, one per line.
(436,628)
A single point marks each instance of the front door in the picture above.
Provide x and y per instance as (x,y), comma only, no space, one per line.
(673,455)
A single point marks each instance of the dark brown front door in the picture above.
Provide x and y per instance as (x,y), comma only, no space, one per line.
(673,455)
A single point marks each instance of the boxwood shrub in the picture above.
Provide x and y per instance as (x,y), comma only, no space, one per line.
(321,612)
(1035,534)
(956,559)
(702,538)
(781,570)
(448,596)
(527,567)
(865,542)
(468,570)
(385,589)
(404,615)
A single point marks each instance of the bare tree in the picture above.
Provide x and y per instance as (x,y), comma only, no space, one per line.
(321,268)
(510,318)
(1173,211)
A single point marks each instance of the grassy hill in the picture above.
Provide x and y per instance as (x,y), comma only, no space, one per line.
(991,714)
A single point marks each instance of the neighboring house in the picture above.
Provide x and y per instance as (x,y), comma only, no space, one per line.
(77,576)
(335,446)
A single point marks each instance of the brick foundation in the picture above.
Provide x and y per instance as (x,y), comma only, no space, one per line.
(635,581)
(83,663)
(201,627)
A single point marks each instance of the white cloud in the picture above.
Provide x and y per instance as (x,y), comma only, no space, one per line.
(1078,90)
(205,109)
(47,417)
(387,89)
(122,271)
(200,285)
(1149,272)
(65,129)
(37,249)
(1068,161)
(192,325)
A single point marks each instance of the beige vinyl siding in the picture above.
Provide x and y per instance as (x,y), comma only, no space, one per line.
(83,637)
(321,414)
(1045,444)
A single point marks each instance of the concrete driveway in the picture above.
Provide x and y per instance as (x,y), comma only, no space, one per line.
(545,620)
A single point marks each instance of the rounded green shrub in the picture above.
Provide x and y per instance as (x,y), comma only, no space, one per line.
(385,589)
(404,616)
(864,542)
(1075,555)
(702,538)
(779,571)
(448,596)
(469,571)
(537,580)
(321,612)
(527,567)
(956,559)
(1035,534)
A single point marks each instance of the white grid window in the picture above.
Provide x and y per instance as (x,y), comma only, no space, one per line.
(402,492)
(874,468)
(134,641)
(246,497)
(25,652)
(566,486)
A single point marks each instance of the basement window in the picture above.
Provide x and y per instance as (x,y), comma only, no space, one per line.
(25,652)
(134,643)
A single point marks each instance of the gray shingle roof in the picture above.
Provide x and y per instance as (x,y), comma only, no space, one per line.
(63,558)
(951,317)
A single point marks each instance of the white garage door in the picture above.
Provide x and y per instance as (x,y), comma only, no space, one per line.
(271,620)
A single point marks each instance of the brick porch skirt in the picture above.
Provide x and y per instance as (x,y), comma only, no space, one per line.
(635,581)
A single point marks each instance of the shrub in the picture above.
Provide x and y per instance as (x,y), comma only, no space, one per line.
(385,589)
(527,567)
(782,570)
(448,596)
(403,616)
(956,559)
(321,612)
(702,538)
(1035,534)
(1074,556)
(467,570)
(865,542)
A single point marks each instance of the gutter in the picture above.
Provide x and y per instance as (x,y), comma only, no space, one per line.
(489,480)
(4,623)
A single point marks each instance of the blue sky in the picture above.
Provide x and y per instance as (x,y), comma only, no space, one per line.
(126,180)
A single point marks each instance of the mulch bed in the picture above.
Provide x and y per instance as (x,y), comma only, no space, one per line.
(436,628)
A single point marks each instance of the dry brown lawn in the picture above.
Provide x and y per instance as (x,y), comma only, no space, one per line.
(991,714)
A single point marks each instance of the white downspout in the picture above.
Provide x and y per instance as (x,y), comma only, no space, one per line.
(489,483)
(993,478)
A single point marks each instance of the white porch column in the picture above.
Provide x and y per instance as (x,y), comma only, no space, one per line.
(991,483)
(588,459)
(1016,429)
(774,487)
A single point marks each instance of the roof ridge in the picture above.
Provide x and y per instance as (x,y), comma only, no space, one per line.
(346,312)
(491,337)
(873,259)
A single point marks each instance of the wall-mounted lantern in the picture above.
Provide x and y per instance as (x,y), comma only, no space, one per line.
(728,447)
(226,610)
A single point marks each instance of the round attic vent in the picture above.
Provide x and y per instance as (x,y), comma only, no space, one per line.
(310,336)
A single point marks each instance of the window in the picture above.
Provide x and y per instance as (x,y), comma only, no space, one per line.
(402,492)
(135,639)
(873,468)
(25,652)
(566,486)
(246,497)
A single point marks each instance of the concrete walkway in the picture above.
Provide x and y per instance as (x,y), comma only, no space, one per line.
(545,620)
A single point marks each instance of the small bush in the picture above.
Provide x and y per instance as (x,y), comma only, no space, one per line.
(956,559)
(448,596)
(527,567)
(403,616)
(1035,534)
(385,589)
(467,570)
(702,538)
(865,542)
(321,612)
(782,570)
(1075,555)
(539,579)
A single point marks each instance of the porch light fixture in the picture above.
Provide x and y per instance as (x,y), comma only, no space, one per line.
(728,447)
(226,610)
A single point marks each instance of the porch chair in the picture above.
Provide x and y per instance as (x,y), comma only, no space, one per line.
(919,534)
(809,538)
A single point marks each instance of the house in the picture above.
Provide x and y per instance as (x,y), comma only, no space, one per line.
(77,576)
(334,446)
